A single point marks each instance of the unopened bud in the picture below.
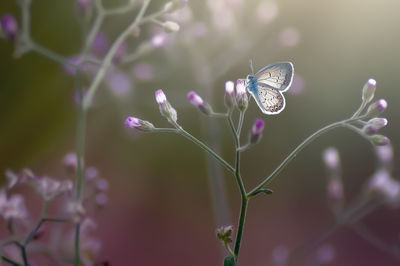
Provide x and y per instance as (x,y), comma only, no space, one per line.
(229,94)
(379,140)
(9,26)
(376,108)
(165,107)
(374,125)
(368,91)
(197,101)
(134,122)
(224,233)
(256,131)
(241,95)
(331,159)
(170,26)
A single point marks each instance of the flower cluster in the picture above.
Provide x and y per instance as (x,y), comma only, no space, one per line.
(59,195)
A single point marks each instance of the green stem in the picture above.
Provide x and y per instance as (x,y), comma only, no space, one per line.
(240,124)
(294,153)
(199,143)
(110,55)
(77,260)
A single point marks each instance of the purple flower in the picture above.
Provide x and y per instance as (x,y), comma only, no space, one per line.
(100,43)
(9,26)
(241,95)
(229,94)
(373,125)
(102,184)
(385,154)
(91,173)
(12,208)
(376,108)
(256,130)
(198,102)
(119,83)
(165,107)
(101,199)
(369,90)
(50,188)
(136,123)
(383,184)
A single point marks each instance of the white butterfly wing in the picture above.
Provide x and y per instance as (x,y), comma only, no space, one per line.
(269,100)
(278,76)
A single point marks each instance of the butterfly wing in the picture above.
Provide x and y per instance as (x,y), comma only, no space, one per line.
(278,76)
(270,101)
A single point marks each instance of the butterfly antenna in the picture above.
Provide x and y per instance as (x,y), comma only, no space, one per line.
(251,66)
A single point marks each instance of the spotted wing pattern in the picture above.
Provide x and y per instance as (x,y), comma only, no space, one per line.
(278,75)
(269,100)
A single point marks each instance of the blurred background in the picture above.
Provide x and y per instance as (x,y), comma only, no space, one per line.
(160,207)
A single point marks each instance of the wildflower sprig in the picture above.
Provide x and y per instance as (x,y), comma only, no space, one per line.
(238,100)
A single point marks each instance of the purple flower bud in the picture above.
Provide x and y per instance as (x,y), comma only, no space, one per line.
(369,90)
(241,95)
(256,130)
(385,154)
(136,123)
(331,159)
(9,25)
(165,107)
(198,102)
(91,173)
(374,125)
(101,199)
(100,43)
(376,108)
(70,163)
(229,94)
(102,184)
(379,140)
(382,183)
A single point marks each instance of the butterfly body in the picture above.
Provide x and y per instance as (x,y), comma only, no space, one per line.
(267,85)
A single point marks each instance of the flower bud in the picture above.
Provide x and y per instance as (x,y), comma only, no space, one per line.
(197,101)
(383,184)
(368,91)
(384,154)
(229,94)
(374,125)
(165,107)
(142,125)
(170,26)
(376,108)
(224,233)
(241,95)
(256,131)
(379,140)
(9,26)
(331,159)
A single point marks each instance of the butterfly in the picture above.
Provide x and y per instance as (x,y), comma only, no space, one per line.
(267,85)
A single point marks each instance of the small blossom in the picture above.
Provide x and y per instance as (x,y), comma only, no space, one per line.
(256,130)
(12,208)
(170,26)
(143,71)
(9,26)
(224,233)
(165,107)
(91,173)
(385,154)
(229,94)
(241,95)
(368,91)
(373,125)
(70,163)
(383,184)
(379,140)
(102,184)
(100,43)
(50,188)
(376,108)
(331,159)
(198,102)
(101,199)
(139,124)
(119,83)
(76,210)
